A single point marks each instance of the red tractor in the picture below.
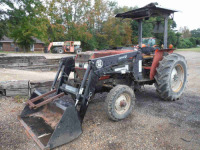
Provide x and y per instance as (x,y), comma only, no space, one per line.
(52,119)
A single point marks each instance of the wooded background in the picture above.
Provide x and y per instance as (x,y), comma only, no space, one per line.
(92,22)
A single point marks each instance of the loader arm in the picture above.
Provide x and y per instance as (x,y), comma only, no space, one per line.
(93,73)
(100,66)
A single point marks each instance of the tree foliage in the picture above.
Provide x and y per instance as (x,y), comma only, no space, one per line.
(24,21)
(3,24)
(185,32)
(90,21)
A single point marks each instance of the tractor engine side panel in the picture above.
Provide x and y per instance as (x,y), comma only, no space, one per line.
(81,61)
(81,64)
(117,75)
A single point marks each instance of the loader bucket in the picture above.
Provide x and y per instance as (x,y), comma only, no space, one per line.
(53,124)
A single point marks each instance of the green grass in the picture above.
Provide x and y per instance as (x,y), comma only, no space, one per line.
(5,52)
(197,49)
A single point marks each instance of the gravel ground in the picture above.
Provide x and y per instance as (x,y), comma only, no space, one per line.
(46,55)
(153,124)
(13,74)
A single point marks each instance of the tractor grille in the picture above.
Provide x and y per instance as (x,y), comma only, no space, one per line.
(81,64)
(83,57)
(80,72)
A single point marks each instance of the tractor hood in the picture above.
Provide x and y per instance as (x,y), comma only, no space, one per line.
(85,56)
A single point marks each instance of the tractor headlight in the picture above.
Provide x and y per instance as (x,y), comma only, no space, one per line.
(85,66)
(76,64)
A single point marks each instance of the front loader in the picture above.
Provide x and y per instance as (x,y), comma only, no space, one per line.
(54,119)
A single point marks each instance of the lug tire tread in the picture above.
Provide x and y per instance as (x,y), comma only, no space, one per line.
(162,76)
(110,100)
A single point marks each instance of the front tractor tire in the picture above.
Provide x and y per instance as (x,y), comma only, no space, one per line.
(171,77)
(79,50)
(59,50)
(119,102)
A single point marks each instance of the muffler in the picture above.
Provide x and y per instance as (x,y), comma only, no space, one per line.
(52,124)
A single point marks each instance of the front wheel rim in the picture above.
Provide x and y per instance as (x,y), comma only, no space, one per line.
(122,104)
(177,78)
(60,51)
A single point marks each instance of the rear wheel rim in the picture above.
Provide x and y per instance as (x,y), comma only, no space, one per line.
(122,104)
(177,78)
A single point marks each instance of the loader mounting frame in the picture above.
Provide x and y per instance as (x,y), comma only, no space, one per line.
(91,77)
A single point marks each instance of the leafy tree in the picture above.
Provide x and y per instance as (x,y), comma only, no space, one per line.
(55,26)
(178,35)
(3,28)
(185,32)
(3,24)
(185,43)
(195,33)
(25,21)
(117,33)
(198,41)
(193,41)
(172,38)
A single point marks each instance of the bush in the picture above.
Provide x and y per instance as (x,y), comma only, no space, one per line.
(193,41)
(185,43)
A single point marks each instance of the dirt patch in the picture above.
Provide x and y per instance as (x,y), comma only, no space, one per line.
(193,70)
(47,55)
(10,128)
(12,74)
(145,128)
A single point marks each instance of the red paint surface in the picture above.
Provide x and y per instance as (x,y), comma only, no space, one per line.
(158,57)
(104,77)
(98,54)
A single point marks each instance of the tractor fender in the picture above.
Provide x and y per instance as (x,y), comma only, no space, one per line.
(158,57)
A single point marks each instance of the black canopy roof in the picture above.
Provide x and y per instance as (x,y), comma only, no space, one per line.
(149,10)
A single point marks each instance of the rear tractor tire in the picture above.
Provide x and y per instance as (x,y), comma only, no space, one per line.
(119,102)
(171,77)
